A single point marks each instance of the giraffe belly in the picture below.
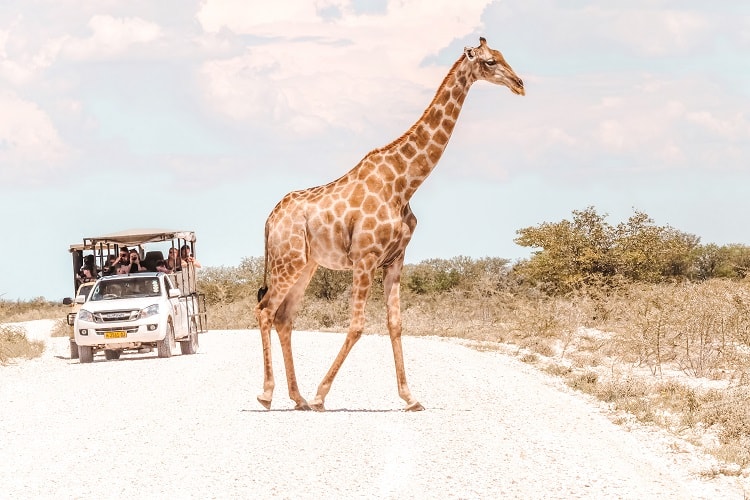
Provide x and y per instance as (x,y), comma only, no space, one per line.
(336,261)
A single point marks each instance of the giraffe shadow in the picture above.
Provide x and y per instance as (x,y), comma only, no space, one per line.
(336,410)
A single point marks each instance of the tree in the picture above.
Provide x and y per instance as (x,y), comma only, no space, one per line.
(457,273)
(728,261)
(328,284)
(644,251)
(587,250)
(571,253)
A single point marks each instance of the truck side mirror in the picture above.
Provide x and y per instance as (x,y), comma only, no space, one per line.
(174,292)
(67,301)
(80,299)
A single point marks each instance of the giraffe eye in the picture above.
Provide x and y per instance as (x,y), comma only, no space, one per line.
(491,62)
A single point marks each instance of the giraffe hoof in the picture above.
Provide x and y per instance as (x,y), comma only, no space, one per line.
(302,406)
(415,406)
(265,402)
(317,404)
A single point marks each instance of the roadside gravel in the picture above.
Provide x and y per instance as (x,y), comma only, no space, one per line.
(189,427)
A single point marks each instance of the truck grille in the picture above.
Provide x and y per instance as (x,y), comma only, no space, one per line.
(109,316)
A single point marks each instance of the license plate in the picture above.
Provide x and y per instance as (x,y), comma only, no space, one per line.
(119,334)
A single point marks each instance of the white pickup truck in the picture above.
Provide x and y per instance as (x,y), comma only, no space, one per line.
(133,312)
(141,309)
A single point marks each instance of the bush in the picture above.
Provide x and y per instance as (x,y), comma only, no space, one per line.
(15,344)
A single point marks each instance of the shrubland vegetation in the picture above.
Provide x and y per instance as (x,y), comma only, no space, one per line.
(13,340)
(640,316)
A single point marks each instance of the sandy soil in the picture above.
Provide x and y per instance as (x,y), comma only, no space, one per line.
(189,427)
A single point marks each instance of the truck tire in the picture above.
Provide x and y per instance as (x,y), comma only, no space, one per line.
(112,354)
(190,346)
(164,346)
(73,349)
(85,354)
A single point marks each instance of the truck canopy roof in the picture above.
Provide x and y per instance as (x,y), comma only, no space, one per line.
(134,237)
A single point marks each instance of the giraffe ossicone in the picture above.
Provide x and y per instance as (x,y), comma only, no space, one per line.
(362,221)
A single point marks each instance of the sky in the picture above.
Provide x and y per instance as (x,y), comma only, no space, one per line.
(201,115)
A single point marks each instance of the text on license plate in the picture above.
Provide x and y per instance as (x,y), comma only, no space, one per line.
(118,334)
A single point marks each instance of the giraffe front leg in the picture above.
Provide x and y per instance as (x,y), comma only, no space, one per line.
(318,402)
(391,287)
(265,334)
(283,322)
(362,281)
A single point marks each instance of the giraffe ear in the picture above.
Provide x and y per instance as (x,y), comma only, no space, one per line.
(469,51)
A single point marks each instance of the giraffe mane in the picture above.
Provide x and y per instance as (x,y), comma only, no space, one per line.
(397,142)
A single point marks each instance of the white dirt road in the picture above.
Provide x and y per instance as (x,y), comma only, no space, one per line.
(189,427)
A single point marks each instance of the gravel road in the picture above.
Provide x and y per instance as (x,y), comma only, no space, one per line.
(189,427)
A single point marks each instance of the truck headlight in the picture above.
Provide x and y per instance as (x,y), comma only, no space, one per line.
(149,311)
(85,315)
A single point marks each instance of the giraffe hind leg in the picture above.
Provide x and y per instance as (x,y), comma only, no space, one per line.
(262,314)
(263,399)
(283,323)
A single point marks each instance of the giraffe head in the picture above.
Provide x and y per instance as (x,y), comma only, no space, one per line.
(489,65)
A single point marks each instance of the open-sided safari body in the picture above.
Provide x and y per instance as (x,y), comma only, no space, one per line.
(120,312)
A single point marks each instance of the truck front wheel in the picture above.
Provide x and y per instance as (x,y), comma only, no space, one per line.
(164,346)
(85,353)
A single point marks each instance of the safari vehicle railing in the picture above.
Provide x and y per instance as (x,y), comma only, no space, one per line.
(151,245)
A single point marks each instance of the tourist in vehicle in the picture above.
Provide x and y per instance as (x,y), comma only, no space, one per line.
(171,262)
(88,271)
(161,266)
(135,262)
(109,267)
(187,258)
(122,259)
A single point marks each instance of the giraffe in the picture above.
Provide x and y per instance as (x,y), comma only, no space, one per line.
(362,222)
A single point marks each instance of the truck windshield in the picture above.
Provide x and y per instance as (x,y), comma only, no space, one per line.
(85,289)
(126,288)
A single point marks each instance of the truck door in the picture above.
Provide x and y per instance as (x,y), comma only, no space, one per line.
(179,310)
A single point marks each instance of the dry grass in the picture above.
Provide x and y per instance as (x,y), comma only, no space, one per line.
(14,344)
(61,328)
(15,311)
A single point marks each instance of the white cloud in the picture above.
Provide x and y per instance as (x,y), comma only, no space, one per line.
(302,96)
(347,71)
(17,65)
(258,17)
(651,31)
(731,127)
(27,50)
(30,146)
(583,125)
(110,36)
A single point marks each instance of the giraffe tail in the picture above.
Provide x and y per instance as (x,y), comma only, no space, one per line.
(263,289)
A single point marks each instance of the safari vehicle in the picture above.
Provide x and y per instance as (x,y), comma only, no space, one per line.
(136,312)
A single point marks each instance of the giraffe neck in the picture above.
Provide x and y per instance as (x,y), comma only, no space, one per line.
(415,154)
